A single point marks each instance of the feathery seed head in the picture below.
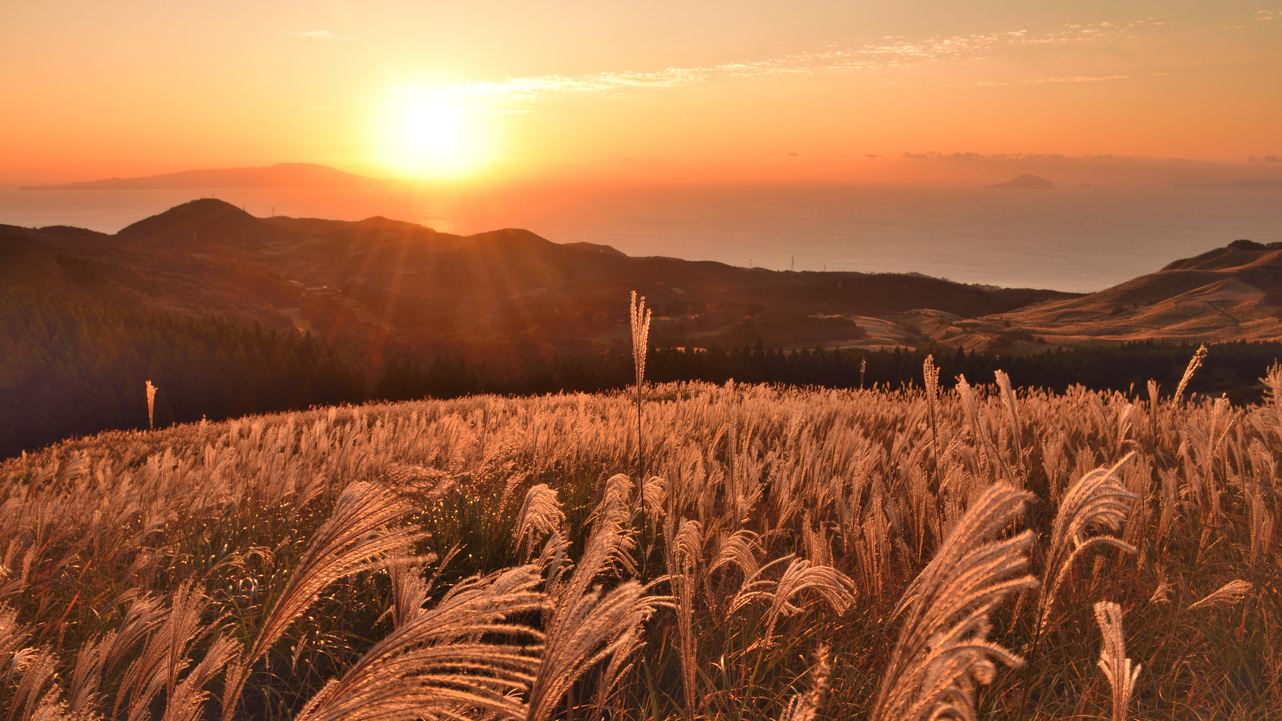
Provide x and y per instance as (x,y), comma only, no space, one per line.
(640,317)
(930,373)
(1226,595)
(1097,501)
(943,647)
(151,406)
(1194,363)
(1119,669)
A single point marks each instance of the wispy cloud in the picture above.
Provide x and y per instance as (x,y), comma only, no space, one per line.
(318,35)
(1085,53)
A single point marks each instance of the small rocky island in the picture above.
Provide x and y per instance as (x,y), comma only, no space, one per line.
(1027,181)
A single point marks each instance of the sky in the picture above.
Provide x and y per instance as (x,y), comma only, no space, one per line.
(661,91)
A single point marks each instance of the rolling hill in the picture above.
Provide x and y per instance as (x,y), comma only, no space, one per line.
(496,289)
(1227,294)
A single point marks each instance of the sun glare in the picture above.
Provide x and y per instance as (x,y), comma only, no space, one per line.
(430,138)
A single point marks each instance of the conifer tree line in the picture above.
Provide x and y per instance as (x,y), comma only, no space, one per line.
(69,369)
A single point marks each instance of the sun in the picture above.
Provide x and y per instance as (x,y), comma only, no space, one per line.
(431,138)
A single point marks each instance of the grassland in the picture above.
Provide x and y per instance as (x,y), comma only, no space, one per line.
(801,554)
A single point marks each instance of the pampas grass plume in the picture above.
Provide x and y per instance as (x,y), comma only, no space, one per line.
(151,406)
(1119,669)
(943,648)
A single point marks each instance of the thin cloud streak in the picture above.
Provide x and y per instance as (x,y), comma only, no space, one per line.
(963,60)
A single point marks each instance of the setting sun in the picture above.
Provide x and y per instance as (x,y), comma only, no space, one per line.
(426,137)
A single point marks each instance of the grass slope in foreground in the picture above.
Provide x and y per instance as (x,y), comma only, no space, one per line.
(848,553)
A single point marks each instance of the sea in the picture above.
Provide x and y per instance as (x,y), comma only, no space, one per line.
(1071,239)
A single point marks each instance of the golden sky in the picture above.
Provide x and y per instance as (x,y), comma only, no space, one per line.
(821,91)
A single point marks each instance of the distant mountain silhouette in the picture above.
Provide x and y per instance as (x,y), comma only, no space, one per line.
(1026,181)
(283,175)
(490,290)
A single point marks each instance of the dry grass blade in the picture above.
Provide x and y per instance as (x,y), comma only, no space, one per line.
(355,536)
(943,647)
(1097,501)
(804,707)
(1226,595)
(457,660)
(1112,657)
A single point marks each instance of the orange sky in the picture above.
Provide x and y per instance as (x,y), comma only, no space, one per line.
(744,91)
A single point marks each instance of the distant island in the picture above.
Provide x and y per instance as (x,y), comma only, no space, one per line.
(282,175)
(1027,181)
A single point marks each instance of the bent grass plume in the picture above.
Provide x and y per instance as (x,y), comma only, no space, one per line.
(943,646)
(1098,501)
(586,625)
(354,539)
(462,657)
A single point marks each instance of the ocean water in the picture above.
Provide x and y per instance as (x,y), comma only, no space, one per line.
(1074,239)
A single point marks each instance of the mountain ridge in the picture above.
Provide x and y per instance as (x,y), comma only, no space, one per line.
(509,287)
(281,175)
(488,289)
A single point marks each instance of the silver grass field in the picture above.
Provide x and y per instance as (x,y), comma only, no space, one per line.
(981,552)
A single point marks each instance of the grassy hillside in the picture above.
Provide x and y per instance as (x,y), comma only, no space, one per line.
(484,557)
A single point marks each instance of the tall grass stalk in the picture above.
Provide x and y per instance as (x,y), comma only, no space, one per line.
(640,317)
(930,376)
(151,406)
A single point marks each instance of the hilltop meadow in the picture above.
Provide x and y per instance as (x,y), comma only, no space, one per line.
(764,553)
